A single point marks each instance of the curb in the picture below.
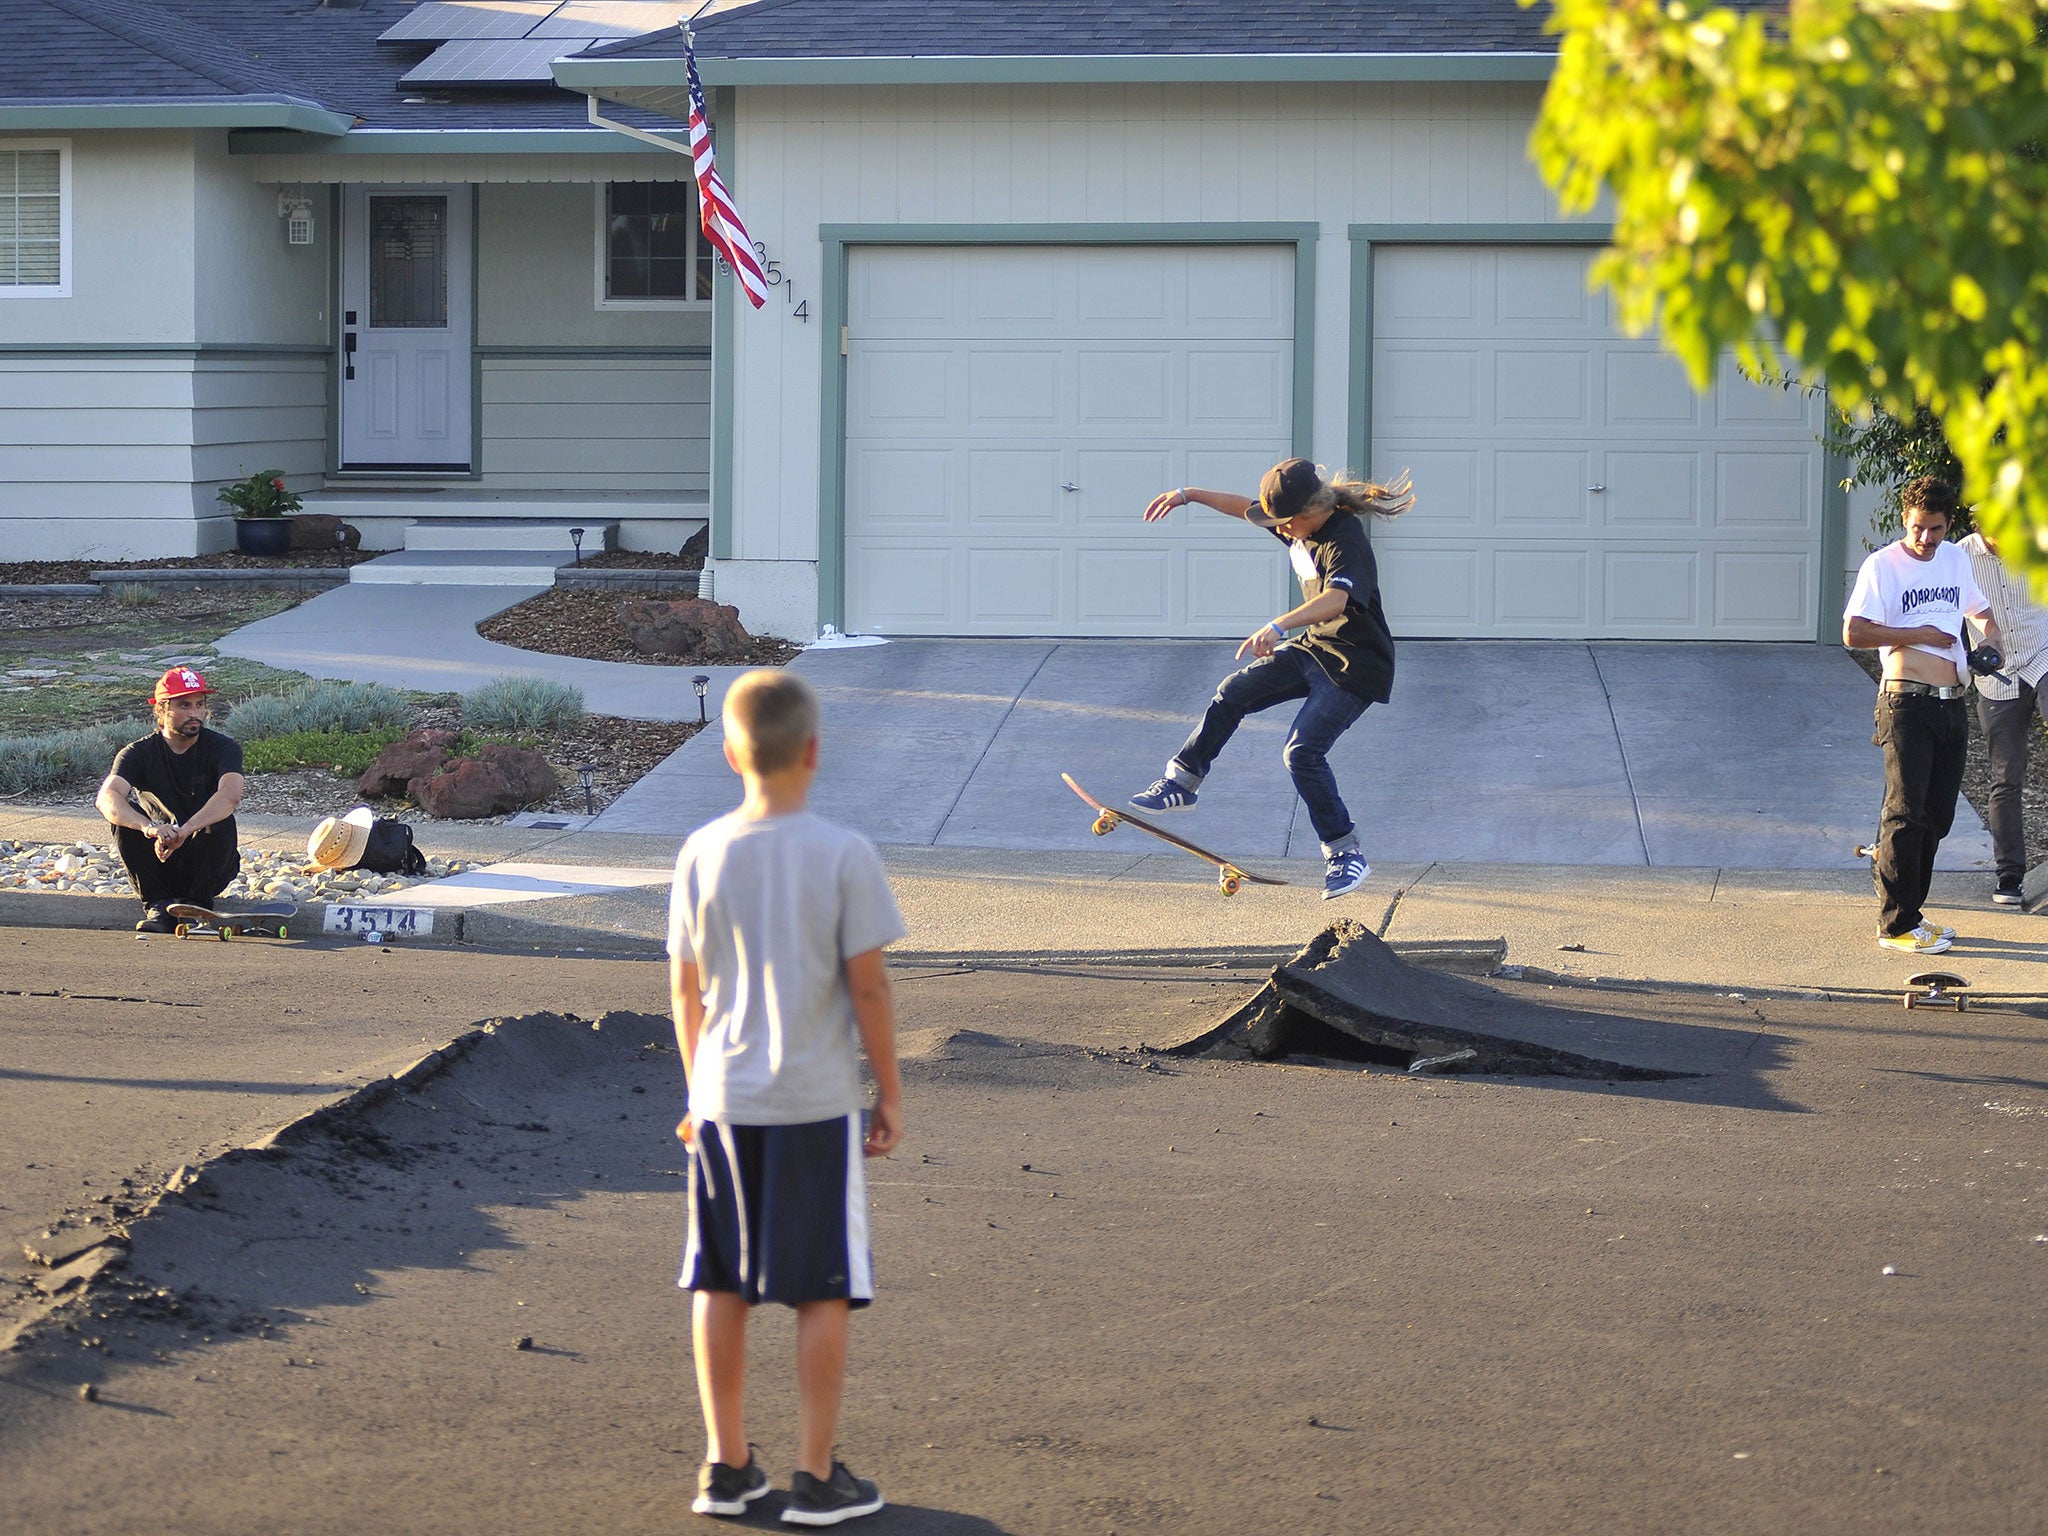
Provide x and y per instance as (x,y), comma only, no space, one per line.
(321,576)
(575,578)
(50,589)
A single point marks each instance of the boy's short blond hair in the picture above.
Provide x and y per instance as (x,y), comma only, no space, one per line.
(770,717)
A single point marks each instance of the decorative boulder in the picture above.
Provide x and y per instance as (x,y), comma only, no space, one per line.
(698,545)
(323,530)
(687,626)
(403,761)
(498,779)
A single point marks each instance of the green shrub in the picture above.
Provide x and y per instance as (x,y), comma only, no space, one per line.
(319,706)
(522,704)
(347,752)
(135,594)
(31,765)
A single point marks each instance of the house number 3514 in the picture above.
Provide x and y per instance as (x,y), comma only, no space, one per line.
(775,277)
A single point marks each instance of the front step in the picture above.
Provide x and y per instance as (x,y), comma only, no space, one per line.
(463,568)
(496,535)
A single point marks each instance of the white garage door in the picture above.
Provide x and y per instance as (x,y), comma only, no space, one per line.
(1569,482)
(1010,410)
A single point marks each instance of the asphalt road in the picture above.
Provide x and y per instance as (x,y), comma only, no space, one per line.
(1221,1296)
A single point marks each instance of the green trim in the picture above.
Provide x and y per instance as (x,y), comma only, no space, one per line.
(832,317)
(94,349)
(622,353)
(609,76)
(170,114)
(723,110)
(476,362)
(1365,241)
(444,141)
(1834,545)
(334,262)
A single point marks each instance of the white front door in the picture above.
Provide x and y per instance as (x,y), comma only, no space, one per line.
(1010,410)
(405,332)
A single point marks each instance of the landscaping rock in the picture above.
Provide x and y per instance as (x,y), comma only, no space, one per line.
(498,779)
(422,753)
(685,626)
(323,530)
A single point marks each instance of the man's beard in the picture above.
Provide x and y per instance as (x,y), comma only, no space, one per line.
(187,728)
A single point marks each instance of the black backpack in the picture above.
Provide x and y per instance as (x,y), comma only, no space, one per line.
(389,850)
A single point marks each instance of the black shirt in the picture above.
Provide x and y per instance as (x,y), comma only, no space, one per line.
(1355,649)
(186,780)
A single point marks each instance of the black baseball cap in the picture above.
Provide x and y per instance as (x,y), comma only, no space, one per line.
(1285,492)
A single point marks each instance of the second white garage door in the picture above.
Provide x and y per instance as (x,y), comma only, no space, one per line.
(1568,481)
(1010,410)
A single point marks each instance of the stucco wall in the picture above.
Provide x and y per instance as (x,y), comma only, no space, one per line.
(252,288)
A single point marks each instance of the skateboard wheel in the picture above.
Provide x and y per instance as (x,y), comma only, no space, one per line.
(226,934)
(282,931)
(1962,1004)
(1105,823)
(1912,999)
(1231,885)
(183,930)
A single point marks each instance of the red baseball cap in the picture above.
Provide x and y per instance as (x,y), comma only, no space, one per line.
(180,683)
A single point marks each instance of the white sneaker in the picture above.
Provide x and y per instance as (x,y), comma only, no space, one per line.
(1934,930)
(1919,941)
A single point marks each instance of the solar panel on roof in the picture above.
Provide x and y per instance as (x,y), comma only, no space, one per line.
(441,21)
(494,61)
(611,18)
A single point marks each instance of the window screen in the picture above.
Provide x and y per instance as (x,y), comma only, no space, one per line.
(31,219)
(653,248)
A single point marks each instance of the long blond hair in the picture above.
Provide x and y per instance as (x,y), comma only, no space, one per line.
(1345,492)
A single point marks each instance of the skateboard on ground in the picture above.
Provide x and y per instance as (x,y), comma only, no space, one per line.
(265,920)
(1228,876)
(1937,989)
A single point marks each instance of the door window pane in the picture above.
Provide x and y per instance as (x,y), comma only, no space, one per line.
(409,262)
(31,219)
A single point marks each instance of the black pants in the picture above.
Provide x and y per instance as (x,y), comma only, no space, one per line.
(197,873)
(1925,741)
(2008,723)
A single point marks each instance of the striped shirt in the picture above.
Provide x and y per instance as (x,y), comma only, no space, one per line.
(2022,623)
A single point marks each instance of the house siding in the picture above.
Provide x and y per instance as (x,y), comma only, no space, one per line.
(607,423)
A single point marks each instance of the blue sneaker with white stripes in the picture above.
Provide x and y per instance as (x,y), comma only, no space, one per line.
(1345,873)
(1164,795)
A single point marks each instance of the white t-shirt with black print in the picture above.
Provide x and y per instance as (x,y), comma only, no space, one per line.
(1901,592)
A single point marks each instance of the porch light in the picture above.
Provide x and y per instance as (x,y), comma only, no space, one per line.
(702,683)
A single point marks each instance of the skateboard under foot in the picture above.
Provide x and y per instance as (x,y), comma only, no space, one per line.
(1229,878)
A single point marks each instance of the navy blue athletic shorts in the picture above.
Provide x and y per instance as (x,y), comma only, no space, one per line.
(779,1212)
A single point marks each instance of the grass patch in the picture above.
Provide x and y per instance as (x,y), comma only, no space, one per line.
(346,752)
(70,704)
(33,765)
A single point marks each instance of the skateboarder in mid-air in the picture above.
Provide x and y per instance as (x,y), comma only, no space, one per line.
(1341,662)
(190,774)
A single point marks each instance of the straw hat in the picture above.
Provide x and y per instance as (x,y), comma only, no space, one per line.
(338,842)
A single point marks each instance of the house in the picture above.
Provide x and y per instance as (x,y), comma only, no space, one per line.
(1040,262)
(1032,264)
(369,244)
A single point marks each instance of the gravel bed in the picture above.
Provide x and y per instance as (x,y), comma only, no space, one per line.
(93,869)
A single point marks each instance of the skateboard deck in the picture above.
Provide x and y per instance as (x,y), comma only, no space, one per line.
(1937,989)
(1229,878)
(265,920)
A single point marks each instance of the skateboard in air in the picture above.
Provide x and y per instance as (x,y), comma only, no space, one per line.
(1937,989)
(265,920)
(1229,878)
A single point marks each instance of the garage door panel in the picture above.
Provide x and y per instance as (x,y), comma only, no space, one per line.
(899,584)
(898,388)
(1239,293)
(1649,389)
(1546,388)
(1243,391)
(1438,296)
(1763,591)
(1014,587)
(1012,386)
(1544,587)
(1540,490)
(915,293)
(1130,292)
(1005,293)
(1762,490)
(1432,591)
(1231,591)
(1738,401)
(1652,490)
(1115,485)
(901,488)
(1542,290)
(1124,591)
(1125,389)
(1654,589)
(1224,468)
(1012,488)
(1436,389)
(1452,475)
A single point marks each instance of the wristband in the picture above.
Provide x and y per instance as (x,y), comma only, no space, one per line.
(1274,625)
(1182,493)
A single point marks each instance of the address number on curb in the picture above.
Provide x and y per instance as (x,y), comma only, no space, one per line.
(399,921)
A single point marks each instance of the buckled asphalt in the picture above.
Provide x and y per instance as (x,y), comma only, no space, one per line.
(1674,813)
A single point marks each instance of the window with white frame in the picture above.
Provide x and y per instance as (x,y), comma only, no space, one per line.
(651,249)
(34,261)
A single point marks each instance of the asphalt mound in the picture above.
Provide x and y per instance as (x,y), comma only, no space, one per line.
(1349,996)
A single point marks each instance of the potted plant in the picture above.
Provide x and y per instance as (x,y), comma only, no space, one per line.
(261,505)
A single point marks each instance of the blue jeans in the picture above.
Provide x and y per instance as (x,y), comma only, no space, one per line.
(1327,713)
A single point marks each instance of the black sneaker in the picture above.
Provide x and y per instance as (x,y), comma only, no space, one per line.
(842,1497)
(727,1490)
(155,920)
(2009,894)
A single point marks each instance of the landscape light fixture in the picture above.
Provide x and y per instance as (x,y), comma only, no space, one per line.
(586,772)
(702,683)
(576,538)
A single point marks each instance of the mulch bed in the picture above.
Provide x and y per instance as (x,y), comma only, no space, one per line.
(46,572)
(572,622)
(1977,772)
(642,560)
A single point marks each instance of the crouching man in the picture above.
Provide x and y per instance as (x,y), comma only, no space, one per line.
(171,800)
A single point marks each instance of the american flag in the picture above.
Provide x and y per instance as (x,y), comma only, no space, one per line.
(722,226)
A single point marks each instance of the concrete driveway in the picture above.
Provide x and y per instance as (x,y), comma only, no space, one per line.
(1672,755)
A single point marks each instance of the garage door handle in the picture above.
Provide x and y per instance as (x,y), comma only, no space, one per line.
(1597,490)
(1068,485)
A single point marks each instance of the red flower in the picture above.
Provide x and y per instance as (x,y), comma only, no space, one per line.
(278,483)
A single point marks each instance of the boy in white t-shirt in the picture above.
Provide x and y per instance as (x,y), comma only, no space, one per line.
(1911,602)
(776,928)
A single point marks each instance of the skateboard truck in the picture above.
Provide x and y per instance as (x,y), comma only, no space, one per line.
(1937,989)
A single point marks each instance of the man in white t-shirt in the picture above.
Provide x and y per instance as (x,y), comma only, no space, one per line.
(1911,603)
(2007,705)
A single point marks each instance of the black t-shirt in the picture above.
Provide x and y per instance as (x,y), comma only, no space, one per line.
(1355,649)
(186,780)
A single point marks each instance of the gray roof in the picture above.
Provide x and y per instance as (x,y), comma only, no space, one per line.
(95,51)
(1100,28)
